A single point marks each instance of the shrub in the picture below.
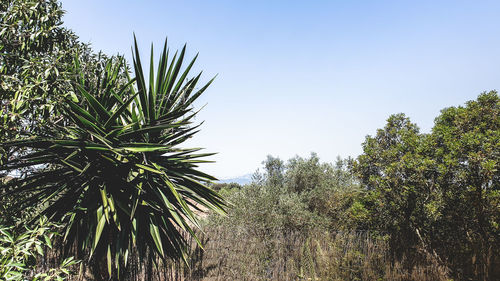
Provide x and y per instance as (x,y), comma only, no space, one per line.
(20,253)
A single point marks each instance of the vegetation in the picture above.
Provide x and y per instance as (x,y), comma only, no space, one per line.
(412,206)
(440,191)
(308,221)
(96,148)
(36,54)
(19,253)
(109,166)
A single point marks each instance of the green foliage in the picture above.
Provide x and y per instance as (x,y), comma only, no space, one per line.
(20,252)
(266,223)
(434,196)
(225,186)
(34,53)
(114,173)
(466,150)
(394,168)
(100,152)
(301,194)
(306,174)
(274,171)
(439,192)
(36,61)
(93,148)
(303,220)
(276,204)
(273,210)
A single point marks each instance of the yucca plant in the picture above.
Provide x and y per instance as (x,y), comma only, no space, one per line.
(117,177)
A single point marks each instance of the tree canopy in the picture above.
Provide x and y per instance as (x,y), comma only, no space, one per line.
(441,189)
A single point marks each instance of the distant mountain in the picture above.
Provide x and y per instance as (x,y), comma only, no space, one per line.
(242,180)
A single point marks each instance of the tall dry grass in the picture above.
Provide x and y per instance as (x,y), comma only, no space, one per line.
(296,256)
(239,255)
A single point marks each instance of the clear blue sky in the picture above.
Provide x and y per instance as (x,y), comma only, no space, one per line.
(296,77)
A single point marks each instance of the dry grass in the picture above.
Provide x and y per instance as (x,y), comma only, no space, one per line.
(297,256)
(238,255)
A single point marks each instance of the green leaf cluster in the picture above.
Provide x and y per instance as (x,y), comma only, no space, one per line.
(19,251)
(36,67)
(439,191)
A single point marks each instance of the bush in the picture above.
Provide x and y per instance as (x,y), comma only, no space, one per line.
(21,253)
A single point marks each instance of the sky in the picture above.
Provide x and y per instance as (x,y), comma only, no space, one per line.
(295,77)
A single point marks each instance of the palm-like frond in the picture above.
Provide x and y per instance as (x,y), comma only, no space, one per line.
(118,179)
